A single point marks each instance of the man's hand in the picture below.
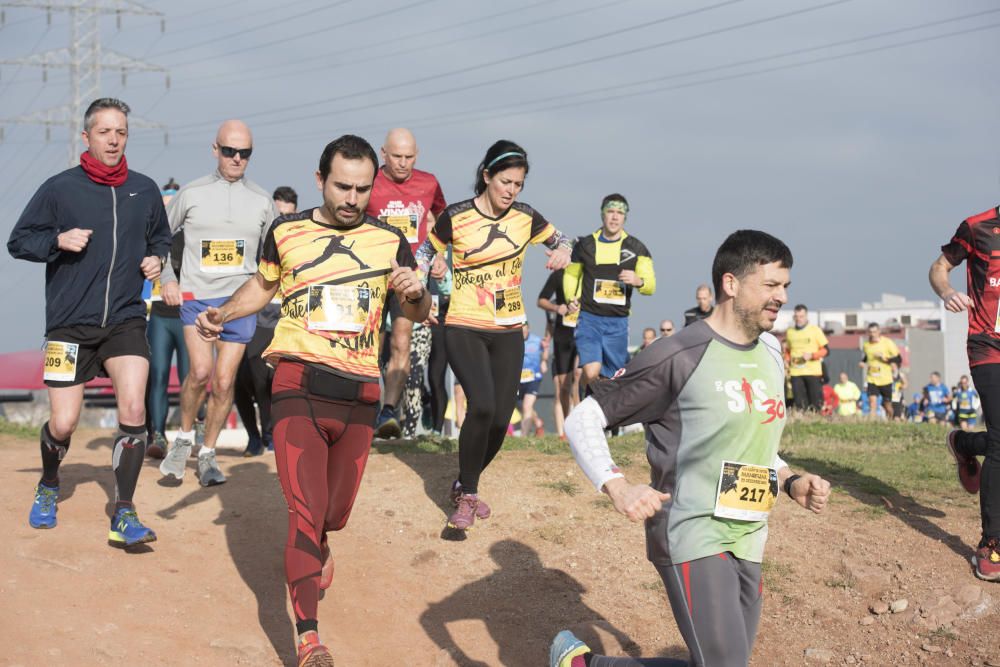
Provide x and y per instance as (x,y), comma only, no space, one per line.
(562,310)
(171,293)
(151,267)
(807,356)
(405,282)
(956,301)
(209,323)
(573,305)
(74,240)
(629,278)
(439,267)
(544,367)
(811,491)
(558,258)
(636,501)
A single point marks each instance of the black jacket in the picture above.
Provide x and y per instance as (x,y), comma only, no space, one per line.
(101,285)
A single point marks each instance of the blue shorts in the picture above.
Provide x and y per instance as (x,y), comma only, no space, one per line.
(235,331)
(602,339)
(528,388)
(940,412)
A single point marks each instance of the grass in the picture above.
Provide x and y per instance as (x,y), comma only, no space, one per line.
(17,430)
(774,575)
(562,486)
(942,633)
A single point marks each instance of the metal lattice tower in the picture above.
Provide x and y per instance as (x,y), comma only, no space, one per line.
(85,60)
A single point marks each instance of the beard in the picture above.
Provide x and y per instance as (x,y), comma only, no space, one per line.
(753,320)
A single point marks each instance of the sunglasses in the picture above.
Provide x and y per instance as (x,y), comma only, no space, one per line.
(666,330)
(229,151)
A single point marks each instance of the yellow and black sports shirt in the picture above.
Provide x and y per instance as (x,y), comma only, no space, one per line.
(592,275)
(334,281)
(487,256)
(878,356)
(811,339)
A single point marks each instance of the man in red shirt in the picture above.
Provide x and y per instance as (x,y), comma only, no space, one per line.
(977,242)
(408,199)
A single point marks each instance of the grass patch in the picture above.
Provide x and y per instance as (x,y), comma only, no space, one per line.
(562,486)
(553,534)
(840,582)
(17,430)
(871,511)
(942,633)
(774,575)
(656,585)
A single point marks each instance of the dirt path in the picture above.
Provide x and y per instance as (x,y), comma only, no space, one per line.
(211,591)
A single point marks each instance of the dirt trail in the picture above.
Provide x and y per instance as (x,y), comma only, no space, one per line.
(211,592)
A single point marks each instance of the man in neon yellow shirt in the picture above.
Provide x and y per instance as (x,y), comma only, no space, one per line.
(847,394)
(879,354)
(804,348)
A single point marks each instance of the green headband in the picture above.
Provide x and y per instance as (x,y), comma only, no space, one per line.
(615,205)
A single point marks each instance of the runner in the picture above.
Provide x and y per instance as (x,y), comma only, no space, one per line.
(553,301)
(711,400)
(703,305)
(485,344)
(325,351)
(100,229)
(254,376)
(936,399)
(533,369)
(879,352)
(804,348)
(974,243)
(966,403)
(437,362)
(899,384)
(224,217)
(607,265)
(410,200)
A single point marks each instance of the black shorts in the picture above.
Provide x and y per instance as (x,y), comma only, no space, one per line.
(883,390)
(564,355)
(85,348)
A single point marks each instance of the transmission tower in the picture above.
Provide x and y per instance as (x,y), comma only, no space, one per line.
(85,60)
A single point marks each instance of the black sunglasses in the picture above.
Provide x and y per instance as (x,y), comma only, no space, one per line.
(229,151)
(665,330)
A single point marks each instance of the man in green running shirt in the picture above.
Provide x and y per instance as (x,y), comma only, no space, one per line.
(712,401)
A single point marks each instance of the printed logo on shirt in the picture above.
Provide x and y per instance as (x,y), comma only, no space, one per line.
(752,396)
(405,218)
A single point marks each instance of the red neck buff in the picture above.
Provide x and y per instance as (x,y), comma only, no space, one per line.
(103,174)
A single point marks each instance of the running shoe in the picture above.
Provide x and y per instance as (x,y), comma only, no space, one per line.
(199,434)
(157,448)
(540,431)
(255,446)
(176,460)
(43,510)
(311,653)
(968,466)
(387,425)
(987,561)
(209,473)
(565,647)
(326,573)
(127,530)
(483,510)
(464,515)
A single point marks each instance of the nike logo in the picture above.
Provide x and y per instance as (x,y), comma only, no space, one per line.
(132,194)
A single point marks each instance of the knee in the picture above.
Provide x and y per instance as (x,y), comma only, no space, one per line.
(62,426)
(223,386)
(199,375)
(131,410)
(482,413)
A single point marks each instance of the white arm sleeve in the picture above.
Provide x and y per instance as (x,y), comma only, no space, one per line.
(585,431)
(779,463)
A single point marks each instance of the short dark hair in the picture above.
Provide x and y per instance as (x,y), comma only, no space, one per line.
(286,194)
(100,104)
(745,250)
(649,329)
(873,325)
(171,185)
(614,197)
(349,147)
(512,156)
(800,306)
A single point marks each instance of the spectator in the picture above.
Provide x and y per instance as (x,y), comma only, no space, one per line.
(703,297)
(666,328)
(648,336)
(847,395)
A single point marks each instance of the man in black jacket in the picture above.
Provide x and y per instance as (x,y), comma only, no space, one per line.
(100,229)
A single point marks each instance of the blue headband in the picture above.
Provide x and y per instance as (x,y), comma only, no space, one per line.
(502,156)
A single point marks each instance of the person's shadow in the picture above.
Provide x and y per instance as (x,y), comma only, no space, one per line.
(520,602)
(874,492)
(255,534)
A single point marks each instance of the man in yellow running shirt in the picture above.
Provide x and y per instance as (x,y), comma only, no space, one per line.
(847,396)
(804,348)
(879,354)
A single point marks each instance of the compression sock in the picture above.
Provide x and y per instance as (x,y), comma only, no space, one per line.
(53,451)
(126,460)
(306,625)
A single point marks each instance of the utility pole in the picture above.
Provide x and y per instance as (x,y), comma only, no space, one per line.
(85,60)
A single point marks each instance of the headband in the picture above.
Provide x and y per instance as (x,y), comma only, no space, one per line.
(615,205)
(502,156)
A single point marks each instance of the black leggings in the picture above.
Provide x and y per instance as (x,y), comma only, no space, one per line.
(986,377)
(488,366)
(437,369)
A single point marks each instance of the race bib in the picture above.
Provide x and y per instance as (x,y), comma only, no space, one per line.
(222,255)
(338,308)
(508,306)
(156,292)
(404,223)
(527,375)
(571,318)
(435,305)
(609,291)
(745,492)
(60,361)
(964,405)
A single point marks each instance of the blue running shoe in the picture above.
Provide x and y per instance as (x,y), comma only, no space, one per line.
(565,647)
(387,425)
(43,510)
(255,446)
(127,530)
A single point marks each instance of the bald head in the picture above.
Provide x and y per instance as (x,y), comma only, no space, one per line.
(232,134)
(703,296)
(399,154)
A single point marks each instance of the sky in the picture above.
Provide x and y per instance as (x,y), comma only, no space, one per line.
(860,132)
